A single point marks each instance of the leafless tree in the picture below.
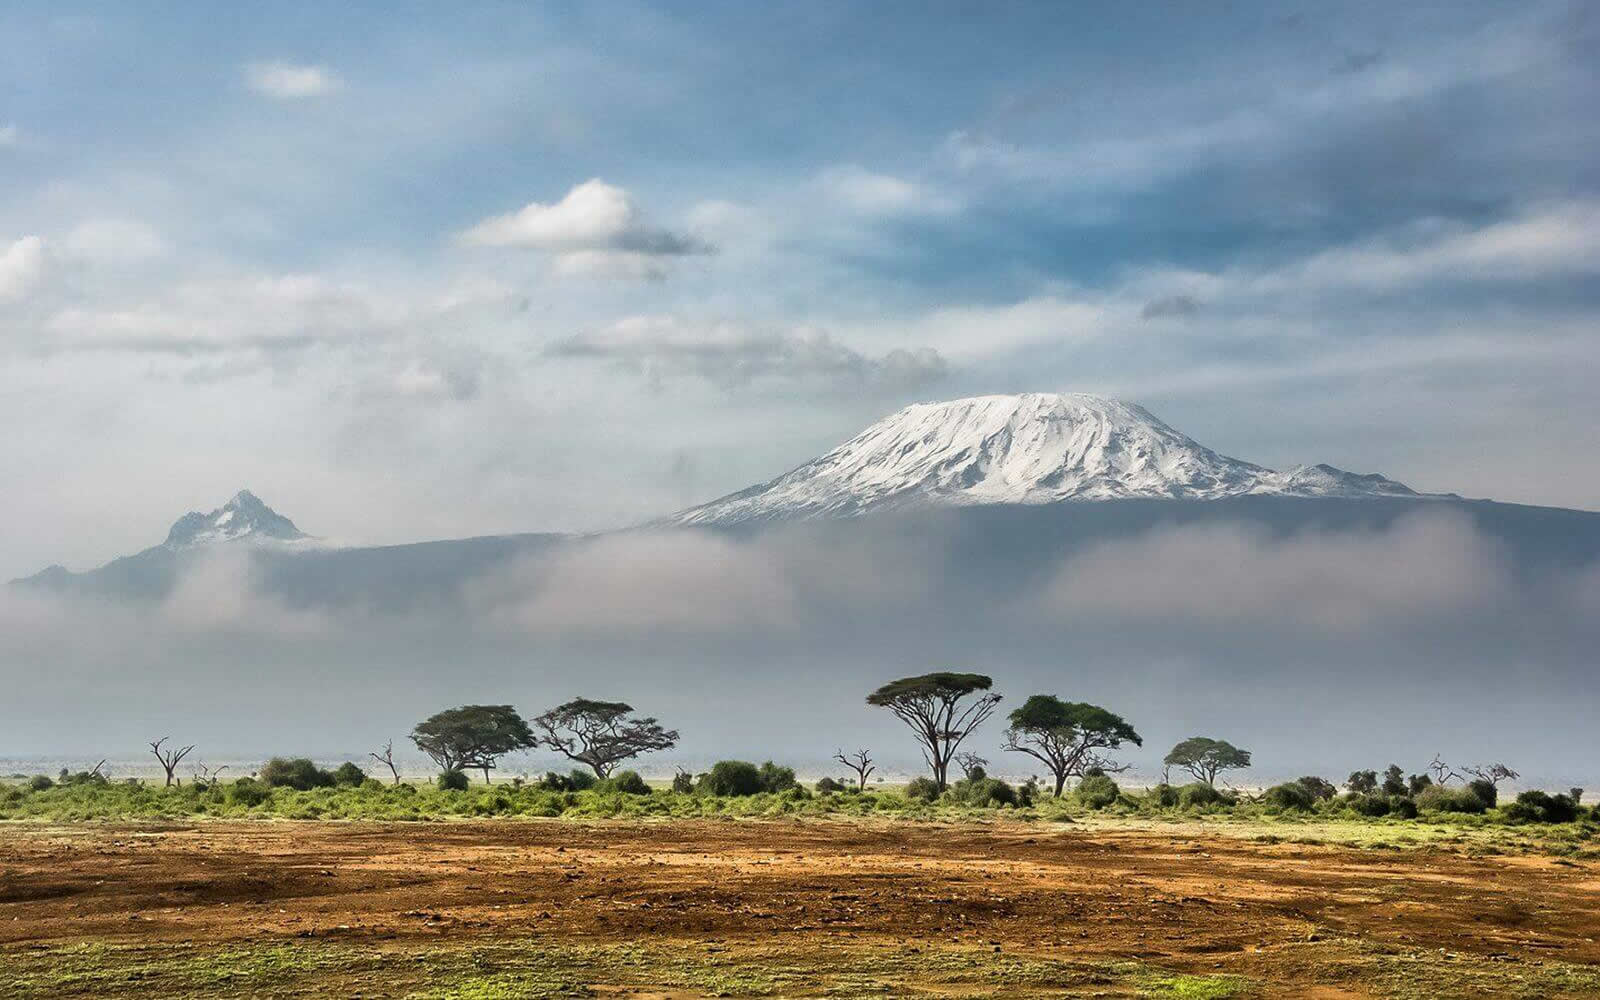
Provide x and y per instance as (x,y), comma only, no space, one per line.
(1492,773)
(387,758)
(170,759)
(970,762)
(1442,772)
(861,763)
(205,777)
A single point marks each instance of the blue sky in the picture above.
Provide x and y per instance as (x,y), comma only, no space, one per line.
(426,271)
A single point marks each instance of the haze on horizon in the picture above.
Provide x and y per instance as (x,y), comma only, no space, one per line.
(471,273)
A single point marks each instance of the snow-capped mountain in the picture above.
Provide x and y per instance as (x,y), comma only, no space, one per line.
(243,517)
(1033,448)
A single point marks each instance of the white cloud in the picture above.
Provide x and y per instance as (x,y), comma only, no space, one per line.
(674,582)
(595,229)
(869,193)
(282,311)
(732,353)
(1554,240)
(116,240)
(1424,565)
(422,379)
(21,266)
(289,81)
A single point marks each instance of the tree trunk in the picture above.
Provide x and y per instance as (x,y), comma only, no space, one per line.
(486,774)
(1061,782)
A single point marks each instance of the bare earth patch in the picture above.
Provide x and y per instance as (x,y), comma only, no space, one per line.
(774,908)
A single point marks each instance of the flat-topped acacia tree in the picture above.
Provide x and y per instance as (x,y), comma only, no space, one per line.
(474,736)
(937,709)
(601,734)
(1067,736)
(1205,758)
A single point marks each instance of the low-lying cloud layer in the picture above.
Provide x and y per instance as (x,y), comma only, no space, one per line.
(1182,627)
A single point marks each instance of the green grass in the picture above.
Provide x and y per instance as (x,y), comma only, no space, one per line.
(541,968)
(1331,823)
(538,969)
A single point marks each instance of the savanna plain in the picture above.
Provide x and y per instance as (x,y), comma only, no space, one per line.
(507,892)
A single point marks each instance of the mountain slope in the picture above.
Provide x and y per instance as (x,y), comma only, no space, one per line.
(1032,448)
(243,517)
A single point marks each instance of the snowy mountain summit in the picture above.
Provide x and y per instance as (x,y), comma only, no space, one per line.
(244,517)
(1033,448)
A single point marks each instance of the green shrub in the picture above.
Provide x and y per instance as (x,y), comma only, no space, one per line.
(984,792)
(732,778)
(1164,795)
(349,775)
(1291,795)
(573,781)
(683,782)
(1371,804)
(1485,791)
(828,786)
(1404,807)
(625,782)
(40,782)
(248,792)
(1096,791)
(1321,789)
(1438,798)
(777,779)
(1200,794)
(453,781)
(297,772)
(1542,807)
(922,790)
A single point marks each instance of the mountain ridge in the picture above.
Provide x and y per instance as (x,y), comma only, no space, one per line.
(1029,448)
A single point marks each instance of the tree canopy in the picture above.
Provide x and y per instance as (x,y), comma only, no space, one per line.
(473,736)
(936,709)
(1205,758)
(601,734)
(1067,736)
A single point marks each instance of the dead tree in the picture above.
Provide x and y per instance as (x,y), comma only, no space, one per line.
(1492,773)
(208,777)
(387,757)
(1442,772)
(971,764)
(861,763)
(170,759)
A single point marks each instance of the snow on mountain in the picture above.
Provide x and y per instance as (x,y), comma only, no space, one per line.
(1033,448)
(244,517)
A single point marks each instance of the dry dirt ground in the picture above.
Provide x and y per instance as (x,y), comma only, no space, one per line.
(774,908)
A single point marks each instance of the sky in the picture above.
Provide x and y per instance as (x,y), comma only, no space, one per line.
(423,271)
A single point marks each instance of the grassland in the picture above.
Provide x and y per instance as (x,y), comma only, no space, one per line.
(832,905)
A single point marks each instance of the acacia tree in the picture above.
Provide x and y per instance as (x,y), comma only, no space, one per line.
(1205,758)
(601,734)
(1067,736)
(861,763)
(936,708)
(473,736)
(171,758)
